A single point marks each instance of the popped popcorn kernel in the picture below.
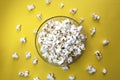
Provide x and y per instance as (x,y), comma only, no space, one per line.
(31,7)
(73,11)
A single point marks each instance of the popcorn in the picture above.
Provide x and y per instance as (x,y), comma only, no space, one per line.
(104,71)
(105,42)
(91,69)
(71,77)
(26,73)
(48,1)
(35,61)
(18,27)
(15,56)
(30,7)
(28,55)
(57,41)
(21,74)
(98,55)
(36,78)
(73,11)
(50,76)
(35,31)
(65,67)
(61,5)
(23,39)
(95,16)
(93,30)
(39,16)
(82,20)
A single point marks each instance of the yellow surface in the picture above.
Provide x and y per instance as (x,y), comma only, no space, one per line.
(13,12)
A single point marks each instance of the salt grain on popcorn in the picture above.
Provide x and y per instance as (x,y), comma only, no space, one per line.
(104,71)
(39,16)
(93,31)
(35,61)
(91,69)
(23,40)
(95,16)
(50,76)
(36,78)
(98,55)
(18,27)
(30,7)
(73,11)
(28,55)
(15,56)
(105,42)
(71,77)
(61,41)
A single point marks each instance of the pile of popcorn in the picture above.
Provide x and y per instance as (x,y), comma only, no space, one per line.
(61,41)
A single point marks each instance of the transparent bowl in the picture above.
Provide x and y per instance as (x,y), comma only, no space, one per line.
(37,45)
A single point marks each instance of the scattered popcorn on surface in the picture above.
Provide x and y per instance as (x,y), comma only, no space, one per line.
(28,55)
(35,31)
(71,77)
(36,78)
(93,31)
(18,27)
(73,11)
(106,42)
(48,1)
(15,56)
(98,55)
(95,16)
(50,76)
(21,74)
(61,5)
(35,61)
(26,73)
(65,67)
(39,16)
(91,69)
(30,7)
(23,40)
(104,71)
(82,20)
(61,41)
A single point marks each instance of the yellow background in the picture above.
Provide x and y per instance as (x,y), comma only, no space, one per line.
(13,12)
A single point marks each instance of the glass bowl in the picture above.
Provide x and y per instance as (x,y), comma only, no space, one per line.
(38,46)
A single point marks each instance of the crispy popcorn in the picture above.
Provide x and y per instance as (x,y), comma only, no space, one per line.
(104,71)
(48,1)
(50,76)
(93,30)
(61,5)
(105,42)
(18,27)
(95,16)
(71,77)
(21,74)
(82,20)
(15,56)
(28,55)
(24,73)
(98,55)
(91,69)
(36,78)
(73,11)
(35,61)
(61,41)
(65,67)
(30,7)
(39,16)
(23,39)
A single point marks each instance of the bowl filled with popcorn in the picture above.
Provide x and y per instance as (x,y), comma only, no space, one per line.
(60,40)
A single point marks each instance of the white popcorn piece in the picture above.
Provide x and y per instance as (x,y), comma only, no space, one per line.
(28,55)
(50,76)
(71,77)
(21,74)
(82,20)
(31,7)
(93,31)
(26,73)
(95,16)
(91,69)
(65,67)
(48,1)
(104,71)
(61,5)
(18,27)
(36,78)
(39,16)
(23,39)
(35,31)
(15,56)
(98,55)
(35,61)
(106,42)
(73,11)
